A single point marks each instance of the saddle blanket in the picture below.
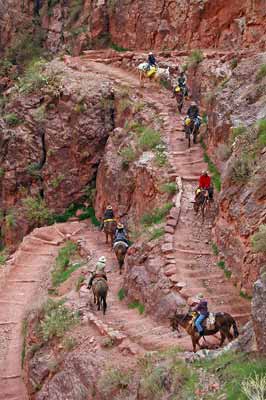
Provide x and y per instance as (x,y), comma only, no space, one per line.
(119,243)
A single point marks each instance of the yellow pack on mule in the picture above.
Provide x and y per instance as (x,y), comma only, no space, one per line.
(151,71)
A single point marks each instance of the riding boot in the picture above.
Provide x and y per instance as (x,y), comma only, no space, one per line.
(90,282)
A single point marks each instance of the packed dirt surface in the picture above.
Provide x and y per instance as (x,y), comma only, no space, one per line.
(193,261)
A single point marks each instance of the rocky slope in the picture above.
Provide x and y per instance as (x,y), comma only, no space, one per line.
(52,140)
(76,24)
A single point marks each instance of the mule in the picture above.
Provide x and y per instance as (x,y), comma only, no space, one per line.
(109,230)
(223,324)
(120,249)
(100,289)
(160,73)
(191,131)
(202,202)
(179,96)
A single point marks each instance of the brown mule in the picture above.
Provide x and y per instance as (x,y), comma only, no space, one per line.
(223,324)
(202,202)
(100,289)
(109,230)
(120,249)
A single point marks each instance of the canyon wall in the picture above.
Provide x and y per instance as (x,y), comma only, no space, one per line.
(75,25)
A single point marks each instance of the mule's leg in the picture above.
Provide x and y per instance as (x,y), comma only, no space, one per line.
(223,336)
(194,343)
(104,305)
(106,237)
(99,302)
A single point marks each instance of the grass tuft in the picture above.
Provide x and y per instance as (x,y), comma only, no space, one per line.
(63,267)
(169,187)
(121,294)
(136,304)
(157,215)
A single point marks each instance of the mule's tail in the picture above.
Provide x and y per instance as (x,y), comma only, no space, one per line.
(236,333)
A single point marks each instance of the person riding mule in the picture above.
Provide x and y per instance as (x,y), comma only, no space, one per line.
(205,184)
(193,114)
(202,309)
(99,272)
(151,60)
(121,234)
(108,216)
(182,83)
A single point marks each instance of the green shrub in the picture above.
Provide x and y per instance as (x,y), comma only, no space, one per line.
(233,63)
(262,133)
(36,211)
(63,267)
(3,257)
(121,294)
(12,119)
(57,320)
(261,73)
(215,249)
(56,182)
(139,306)
(118,48)
(2,172)
(128,154)
(258,240)
(169,187)
(26,47)
(10,220)
(149,139)
(195,58)
(227,272)
(113,380)
(34,78)
(34,169)
(157,215)
(237,131)
(156,233)
(242,168)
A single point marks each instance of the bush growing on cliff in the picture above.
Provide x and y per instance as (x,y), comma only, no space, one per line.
(261,73)
(128,154)
(57,320)
(36,211)
(241,169)
(10,219)
(195,58)
(63,268)
(157,215)
(149,139)
(34,78)
(258,240)
(262,132)
(12,119)
(169,187)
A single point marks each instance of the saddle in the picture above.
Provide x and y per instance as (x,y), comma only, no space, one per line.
(109,220)
(208,323)
(151,71)
(119,242)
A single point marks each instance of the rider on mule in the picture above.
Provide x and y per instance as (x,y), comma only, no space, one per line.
(193,113)
(202,309)
(99,271)
(151,60)
(205,183)
(121,234)
(108,216)
(182,82)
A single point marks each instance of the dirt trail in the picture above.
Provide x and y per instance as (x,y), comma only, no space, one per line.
(32,262)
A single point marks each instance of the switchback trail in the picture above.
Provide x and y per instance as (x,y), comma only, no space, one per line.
(24,281)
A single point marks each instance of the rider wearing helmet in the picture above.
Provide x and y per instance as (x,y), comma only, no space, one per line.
(121,234)
(99,271)
(151,60)
(202,309)
(205,183)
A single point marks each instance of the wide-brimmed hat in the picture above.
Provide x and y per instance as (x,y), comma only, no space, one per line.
(102,259)
(120,226)
(109,207)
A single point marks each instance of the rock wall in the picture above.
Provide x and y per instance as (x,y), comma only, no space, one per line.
(76,25)
(259,311)
(239,102)
(52,149)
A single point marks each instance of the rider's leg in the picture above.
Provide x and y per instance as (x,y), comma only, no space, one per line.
(198,322)
(210,193)
(90,281)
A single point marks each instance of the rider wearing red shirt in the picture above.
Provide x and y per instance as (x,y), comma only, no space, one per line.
(205,183)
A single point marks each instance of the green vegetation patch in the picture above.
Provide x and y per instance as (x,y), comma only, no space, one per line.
(36,211)
(233,371)
(137,305)
(215,249)
(261,73)
(57,320)
(149,139)
(258,240)
(262,133)
(63,267)
(121,294)
(195,58)
(227,272)
(157,216)
(169,187)
(156,233)
(12,119)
